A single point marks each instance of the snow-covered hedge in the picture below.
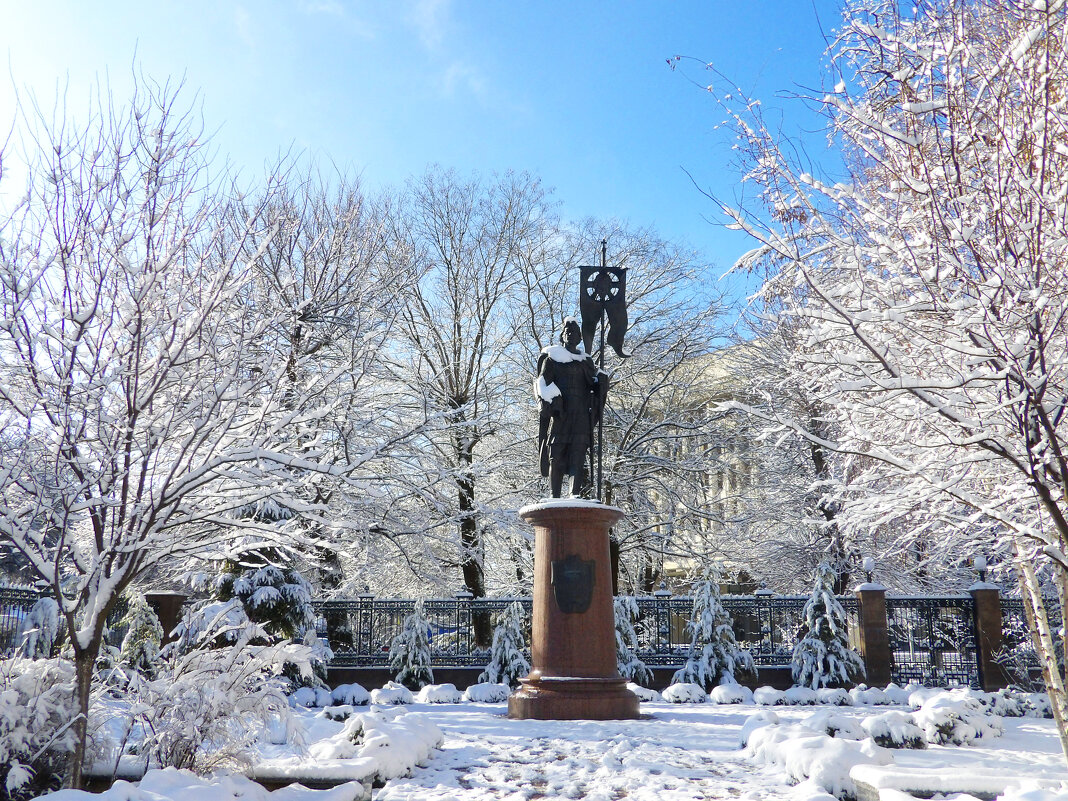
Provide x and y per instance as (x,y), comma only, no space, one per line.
(391,693)
(439,694)
(684,692)
(395,739)
(487,692)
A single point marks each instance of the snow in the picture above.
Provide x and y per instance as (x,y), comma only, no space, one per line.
(473,752)
(566,503)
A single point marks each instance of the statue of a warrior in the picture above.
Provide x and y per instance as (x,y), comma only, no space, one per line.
(571,392)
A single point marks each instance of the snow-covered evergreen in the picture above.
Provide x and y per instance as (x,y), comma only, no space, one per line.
(628,664)
(279,599)
(409,653)
(144,634)
(823,658)
(507,663)
(40,629)
(714,654)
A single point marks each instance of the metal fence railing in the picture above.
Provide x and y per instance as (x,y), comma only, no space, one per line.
(933,640)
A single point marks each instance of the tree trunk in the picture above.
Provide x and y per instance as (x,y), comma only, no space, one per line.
(471,545)
(83,685)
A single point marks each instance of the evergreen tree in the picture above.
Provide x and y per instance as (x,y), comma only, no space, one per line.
(627,662)
(507,664)
(409,653)
(823,658)
(40,629)
(279,600)
(144,634)
(714,653)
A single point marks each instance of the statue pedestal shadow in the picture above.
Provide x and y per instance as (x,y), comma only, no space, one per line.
(573,646)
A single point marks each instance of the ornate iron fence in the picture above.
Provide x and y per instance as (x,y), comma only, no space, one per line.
(932,640)
(15,603)
(360,630)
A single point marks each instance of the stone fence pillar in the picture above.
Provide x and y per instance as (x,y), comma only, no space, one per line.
(992,675)
(874,634)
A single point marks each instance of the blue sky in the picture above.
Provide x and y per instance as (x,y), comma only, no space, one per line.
(579,93)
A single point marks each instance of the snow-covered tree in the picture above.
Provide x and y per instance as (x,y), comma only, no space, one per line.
(40,629)
(822,657)
(927,280)
(409,653)
(507,663)
(625,609)
(279,599)
(137,413)
(467,242)
(714,654)
(144,635)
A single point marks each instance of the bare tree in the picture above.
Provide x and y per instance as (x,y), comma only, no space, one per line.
(143,413)
(930,286)
(466,240)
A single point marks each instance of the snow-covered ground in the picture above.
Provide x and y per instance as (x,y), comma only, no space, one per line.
(677,751)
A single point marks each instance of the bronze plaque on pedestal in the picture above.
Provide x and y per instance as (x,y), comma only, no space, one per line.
(572,581)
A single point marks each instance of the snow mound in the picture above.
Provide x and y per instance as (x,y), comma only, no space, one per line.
(390,741)
(644,693)
(805,754)
(956,717)
(900,695)
(685,693)
(863,695)
(754,722)
(894,730)
(304,696)
(439,694)
(834,696)
(731,694)
(171,783)
(769,696)
(487,693)
(800,696)
(352,694)
(834,724)
(391,694)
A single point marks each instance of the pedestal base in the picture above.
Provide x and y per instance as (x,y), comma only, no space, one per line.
(567,698)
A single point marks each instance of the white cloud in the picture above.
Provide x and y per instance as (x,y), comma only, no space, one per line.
(430,18)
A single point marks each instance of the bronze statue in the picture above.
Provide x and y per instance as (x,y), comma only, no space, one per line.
(571,392)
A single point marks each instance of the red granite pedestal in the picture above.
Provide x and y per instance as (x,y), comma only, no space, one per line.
(573,644)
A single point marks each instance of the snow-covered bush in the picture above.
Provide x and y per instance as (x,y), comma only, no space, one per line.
(862,695)
(397,740)
(487,693)
(644,694)
(834,696)
(896,694)
(823,658)
(769,696)
(800,696)
(731,693)
(754,722)
(37,708)
(40,629)
(685,693)
(391,694)
(351,694)
(714,652)
(144,634)
(1006,703)
(409,653)
(957,718)
(1038,705)
(834,724)
(507,663)
(805,754)
(629,666)
(894,730)
(311,697)
(439,694)
(209,703)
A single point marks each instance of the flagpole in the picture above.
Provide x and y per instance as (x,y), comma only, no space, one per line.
(600,393)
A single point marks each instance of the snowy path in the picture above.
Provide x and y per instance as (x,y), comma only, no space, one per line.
(677,755)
